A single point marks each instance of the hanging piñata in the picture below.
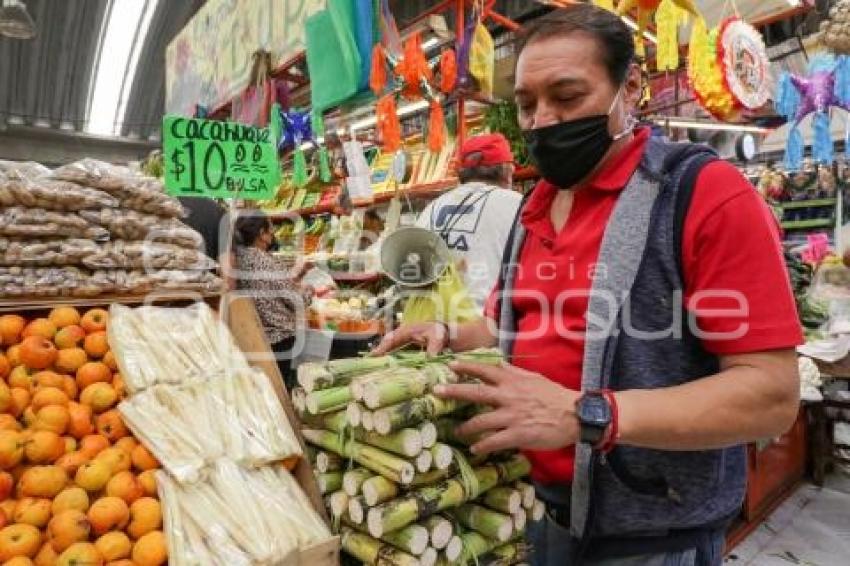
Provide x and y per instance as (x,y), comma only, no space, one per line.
(743,60)
(706,75)
(669,15)
(826,86)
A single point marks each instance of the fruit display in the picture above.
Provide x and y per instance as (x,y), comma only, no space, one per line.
(345,312)
(397,477)
(91,228)
(76,487)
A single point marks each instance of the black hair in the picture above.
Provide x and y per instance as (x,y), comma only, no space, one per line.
(249,227)
(500,173)
(612,35)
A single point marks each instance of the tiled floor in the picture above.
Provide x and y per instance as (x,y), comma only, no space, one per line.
(812,528)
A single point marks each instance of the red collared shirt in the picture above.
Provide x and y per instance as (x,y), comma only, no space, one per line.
(730,241)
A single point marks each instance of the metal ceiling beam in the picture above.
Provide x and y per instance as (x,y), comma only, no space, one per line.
(56,147)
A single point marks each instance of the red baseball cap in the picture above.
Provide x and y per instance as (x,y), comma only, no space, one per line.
(487,149)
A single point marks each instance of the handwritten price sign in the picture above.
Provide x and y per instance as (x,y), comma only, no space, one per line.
(212,159)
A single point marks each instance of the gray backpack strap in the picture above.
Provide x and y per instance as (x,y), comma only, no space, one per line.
(507,278)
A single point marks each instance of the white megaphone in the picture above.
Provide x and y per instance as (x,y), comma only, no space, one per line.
(414,257)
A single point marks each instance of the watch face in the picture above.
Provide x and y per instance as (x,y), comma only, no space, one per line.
(594,411)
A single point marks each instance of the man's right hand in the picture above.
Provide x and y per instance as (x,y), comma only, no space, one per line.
(434,336)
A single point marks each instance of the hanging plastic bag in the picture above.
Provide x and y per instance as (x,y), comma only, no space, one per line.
(364,14)
(332,56)
(252,106)
(447,300)
(482,53)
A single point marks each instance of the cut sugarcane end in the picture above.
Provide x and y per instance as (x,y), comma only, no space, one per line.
(520,520)
(339,503)
(424,461)
(375,523)
(454,548)
(428,433)
(441,533)
(443,456)
(377,490)
(429,557)
(505,531)
(381,421)
(528,495)
(352,414)
(367,420)
(538,510)
(355,511)
(407,473)
(416,539)
(353,479)
(411,443)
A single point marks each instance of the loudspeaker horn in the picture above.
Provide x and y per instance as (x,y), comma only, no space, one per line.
(414,257)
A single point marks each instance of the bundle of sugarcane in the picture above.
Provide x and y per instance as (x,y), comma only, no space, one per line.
(396,476)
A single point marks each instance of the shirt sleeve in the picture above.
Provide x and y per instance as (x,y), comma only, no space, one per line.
(737,291)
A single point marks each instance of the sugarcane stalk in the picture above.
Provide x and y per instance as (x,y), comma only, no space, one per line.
(440,530)
(347,368)
(520,520)
(433,476)
(371,551)
(412,539)
(443,456)
(338,503)
(428,433)
(312,376)
(504,500)
(357,510)
(429,557)
(474,546)
(328,400)
(328,462)
(391,467)
(367,421)
(413,412)
(425,501)
(489,523)
(405,442)
(378,489)
(454,549)
(299,400)
(527,492)
(424,461)
(329,482)
(352,413)
(336,422)
(538,510)
(353,479)
(506,555)
(405,384)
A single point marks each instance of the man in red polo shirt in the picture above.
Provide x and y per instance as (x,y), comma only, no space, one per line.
(659,418)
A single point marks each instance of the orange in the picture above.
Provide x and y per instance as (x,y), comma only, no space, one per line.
(69,360)
(93,372)
(44,446)
(81,422)
(99,396)
(127,444)
(7,482)
(67,528)
(21,376)
(92,444)
(111,425)
(48,396)
(20,400)
(96,344)
(46,556)
(52,417)
(19,561)
(110,361)
(119,385)
(43,481)
(114,546)
(19,540)
(6,397)
(150,550)
(143,459)
(14,355)
(38,352)
(93,476)
(148,481)
(11,327)
(71,498)
(31,511)
(69,386)
(94,320)
(70,444)
(72,461)
(12,446)
(47,378)
(108,514)
(7,509)
(8,421)
(64,316)
(126,486)
(118,460)
(80,554)
(5,366)
(145,516)
(40,327)
(69,337)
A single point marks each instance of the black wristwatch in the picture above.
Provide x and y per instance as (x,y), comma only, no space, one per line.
(594,415)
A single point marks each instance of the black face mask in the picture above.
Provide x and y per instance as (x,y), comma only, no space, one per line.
(565,153)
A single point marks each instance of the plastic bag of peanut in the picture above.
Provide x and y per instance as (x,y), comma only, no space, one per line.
(146,255)
(53,195)
(18,221)
(132,225)
(71,251)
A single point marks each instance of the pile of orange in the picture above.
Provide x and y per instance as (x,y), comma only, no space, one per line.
(75,487)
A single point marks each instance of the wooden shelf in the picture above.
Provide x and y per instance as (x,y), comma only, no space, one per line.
(811,203)
(808,224)
(13,304)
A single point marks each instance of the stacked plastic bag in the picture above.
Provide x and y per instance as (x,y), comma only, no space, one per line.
(220,432)
(90,228)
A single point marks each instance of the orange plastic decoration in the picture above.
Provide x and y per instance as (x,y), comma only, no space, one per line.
(413,67)
(378,72)
(448,71)
(436,127)
(388,124)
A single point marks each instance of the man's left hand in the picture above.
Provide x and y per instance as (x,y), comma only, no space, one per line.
(529,410)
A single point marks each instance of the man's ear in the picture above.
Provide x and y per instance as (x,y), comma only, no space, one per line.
(633,86)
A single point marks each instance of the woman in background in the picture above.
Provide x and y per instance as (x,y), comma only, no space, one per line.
(278,293)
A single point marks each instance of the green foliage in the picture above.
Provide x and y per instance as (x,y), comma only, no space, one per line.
(502,118)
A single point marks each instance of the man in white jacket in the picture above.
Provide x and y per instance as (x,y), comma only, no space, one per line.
(474,218)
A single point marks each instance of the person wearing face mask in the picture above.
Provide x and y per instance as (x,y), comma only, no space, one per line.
(645,310)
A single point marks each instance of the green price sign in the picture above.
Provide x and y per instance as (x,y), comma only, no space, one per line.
(213,159)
